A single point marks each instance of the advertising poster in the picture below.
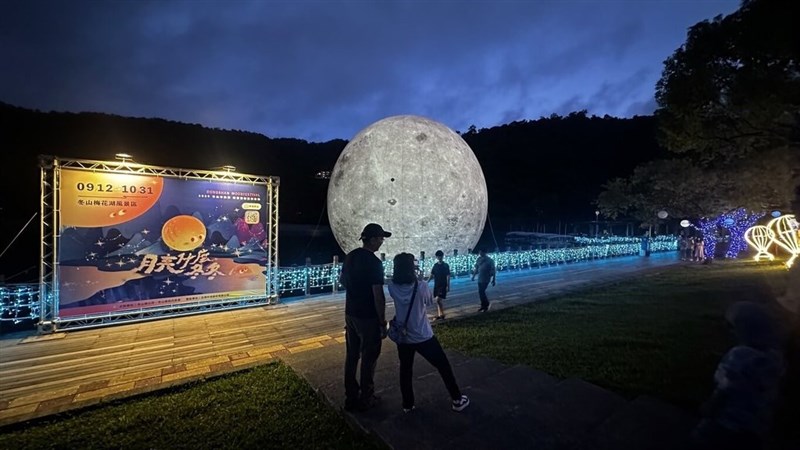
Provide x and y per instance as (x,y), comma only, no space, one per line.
(131,241)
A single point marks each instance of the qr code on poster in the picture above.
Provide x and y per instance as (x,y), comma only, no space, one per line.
(251,217)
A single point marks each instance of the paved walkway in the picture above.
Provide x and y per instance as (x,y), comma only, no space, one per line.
(513,407)
(42,375)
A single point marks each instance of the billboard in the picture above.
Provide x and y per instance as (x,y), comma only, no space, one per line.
(133,241)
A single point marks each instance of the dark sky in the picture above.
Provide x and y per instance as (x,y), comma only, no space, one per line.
(325,69)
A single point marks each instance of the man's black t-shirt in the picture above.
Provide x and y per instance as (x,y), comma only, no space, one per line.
(440,271)
(361,270)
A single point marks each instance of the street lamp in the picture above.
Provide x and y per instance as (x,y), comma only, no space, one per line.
(661,216)
(596,223)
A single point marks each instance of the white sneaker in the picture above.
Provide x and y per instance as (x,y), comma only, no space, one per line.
(460,404)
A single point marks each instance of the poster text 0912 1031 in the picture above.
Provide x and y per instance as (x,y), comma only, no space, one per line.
(139,241)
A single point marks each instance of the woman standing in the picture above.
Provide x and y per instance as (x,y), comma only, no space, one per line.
(419,336)
(700,250)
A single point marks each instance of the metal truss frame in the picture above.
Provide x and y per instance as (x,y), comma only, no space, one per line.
(50,224)
(49,216)
(143,315)
(273,272)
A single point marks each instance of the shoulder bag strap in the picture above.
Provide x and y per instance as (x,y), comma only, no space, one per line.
(411,305)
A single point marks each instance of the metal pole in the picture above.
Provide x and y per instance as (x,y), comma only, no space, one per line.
(18,233)
(306,276)
(335,270)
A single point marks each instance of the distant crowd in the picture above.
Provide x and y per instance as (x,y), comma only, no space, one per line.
(692,248)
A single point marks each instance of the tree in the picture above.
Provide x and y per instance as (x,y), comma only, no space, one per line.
(729,109)
(733,87)
(675,185)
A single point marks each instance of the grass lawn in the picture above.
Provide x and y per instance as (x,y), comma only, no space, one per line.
(266,407)
(662,334)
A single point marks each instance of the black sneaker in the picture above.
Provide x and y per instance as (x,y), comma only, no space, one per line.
(351,405)
(460,404)
(481,309)
(408,410)
(369,403)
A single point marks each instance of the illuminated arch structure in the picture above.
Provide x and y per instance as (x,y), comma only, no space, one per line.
(736,222)
(760,237)
(785,230)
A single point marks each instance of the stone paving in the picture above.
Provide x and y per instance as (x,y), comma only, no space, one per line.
(511,407)
(46,374)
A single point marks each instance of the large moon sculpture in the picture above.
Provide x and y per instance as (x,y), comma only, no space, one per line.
(416,178)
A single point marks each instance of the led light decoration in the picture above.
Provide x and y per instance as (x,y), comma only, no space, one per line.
(785,230)
(416,178)
(312,279)
(613,240)
(760,238)
(708,231)
(19,302)
(22,302)
(736,222)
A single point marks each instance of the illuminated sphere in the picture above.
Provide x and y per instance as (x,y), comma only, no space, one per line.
(416,178)
(183,233)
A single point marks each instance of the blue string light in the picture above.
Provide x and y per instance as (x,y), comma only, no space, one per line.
(736,222)
(742,220)
(21,302)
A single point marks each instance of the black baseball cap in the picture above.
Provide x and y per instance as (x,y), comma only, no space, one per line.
(374,230)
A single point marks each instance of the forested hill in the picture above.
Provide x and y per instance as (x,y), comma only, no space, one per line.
(541,170)
(553,168)
(24,134)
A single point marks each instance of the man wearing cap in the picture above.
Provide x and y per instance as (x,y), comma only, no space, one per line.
(365,317)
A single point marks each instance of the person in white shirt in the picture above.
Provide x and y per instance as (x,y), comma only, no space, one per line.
(419,336)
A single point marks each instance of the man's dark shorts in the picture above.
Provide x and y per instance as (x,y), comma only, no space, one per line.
(440,291)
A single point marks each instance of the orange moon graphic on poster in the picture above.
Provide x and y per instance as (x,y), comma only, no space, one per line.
(101,199)
(183,233)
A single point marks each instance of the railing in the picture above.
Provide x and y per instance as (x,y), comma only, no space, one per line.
(304,280)
(20,302)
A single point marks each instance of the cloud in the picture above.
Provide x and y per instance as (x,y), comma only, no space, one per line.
(642,108)
(323,70)
(617,95)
